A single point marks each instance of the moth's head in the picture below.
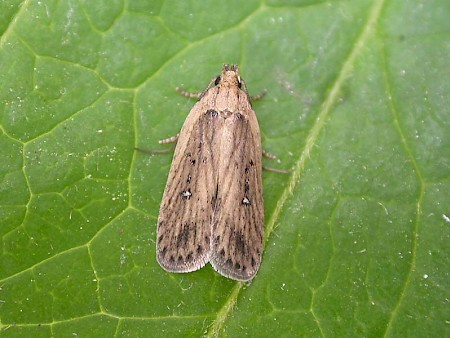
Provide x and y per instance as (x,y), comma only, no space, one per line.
(229,77)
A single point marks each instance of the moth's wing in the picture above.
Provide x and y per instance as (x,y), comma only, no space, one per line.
(238,220)
(184,222)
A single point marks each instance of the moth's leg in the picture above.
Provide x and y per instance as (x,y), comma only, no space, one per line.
(188,94)
(259,96)
(161,151)
(275,170)
(254,97)
(169,139)
(269,155)
(273,157)
(199,94)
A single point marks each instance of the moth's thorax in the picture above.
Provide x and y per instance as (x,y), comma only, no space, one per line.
(229,95)
(231,98)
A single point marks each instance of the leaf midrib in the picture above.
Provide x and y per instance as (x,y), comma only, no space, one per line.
(311,140)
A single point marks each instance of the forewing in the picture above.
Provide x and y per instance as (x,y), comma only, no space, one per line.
(238,219)
(184,222)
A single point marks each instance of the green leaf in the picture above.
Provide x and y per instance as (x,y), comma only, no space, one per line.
(358,105)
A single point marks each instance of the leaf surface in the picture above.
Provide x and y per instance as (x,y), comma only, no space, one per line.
(357,105)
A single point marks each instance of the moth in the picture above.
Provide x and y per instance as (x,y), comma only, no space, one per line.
(212,208)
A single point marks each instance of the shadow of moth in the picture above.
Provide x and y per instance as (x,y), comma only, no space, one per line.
(212,209)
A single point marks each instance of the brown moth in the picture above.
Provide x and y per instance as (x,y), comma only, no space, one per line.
(212,208)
